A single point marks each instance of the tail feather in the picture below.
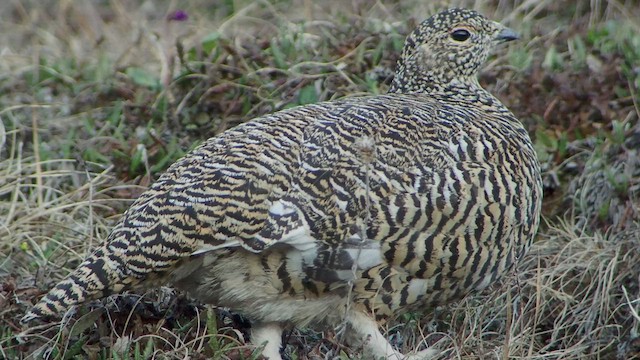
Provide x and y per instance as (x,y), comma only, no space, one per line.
(93,279)
(140,252)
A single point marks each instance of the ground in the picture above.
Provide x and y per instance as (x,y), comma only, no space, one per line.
(98,97)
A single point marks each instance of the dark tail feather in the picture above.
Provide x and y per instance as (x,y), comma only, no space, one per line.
(93,279)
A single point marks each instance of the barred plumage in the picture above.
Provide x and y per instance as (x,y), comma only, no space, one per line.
(356,210)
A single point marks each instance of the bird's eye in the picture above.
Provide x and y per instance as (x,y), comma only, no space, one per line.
(460,34)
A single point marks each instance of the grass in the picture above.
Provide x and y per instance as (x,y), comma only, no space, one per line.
(97,98)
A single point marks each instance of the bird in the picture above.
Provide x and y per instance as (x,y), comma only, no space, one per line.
(347,213)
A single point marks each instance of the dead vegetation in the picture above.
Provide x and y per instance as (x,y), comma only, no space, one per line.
(97,98)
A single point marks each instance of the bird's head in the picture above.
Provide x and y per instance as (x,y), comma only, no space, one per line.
(450,46)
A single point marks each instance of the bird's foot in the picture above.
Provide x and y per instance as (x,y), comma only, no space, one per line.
(269,335)
(376,345)
(425,354)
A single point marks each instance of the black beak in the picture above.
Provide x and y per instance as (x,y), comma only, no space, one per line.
(507,34)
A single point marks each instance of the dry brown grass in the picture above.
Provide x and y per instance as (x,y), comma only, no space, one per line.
(79,106)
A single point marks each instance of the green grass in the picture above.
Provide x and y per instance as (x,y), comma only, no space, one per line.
(93,111)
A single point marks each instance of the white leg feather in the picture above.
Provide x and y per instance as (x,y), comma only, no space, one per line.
(367,330)
(271,334)
(425,354)
(377,345)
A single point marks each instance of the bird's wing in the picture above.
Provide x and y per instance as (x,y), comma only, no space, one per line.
(350,163)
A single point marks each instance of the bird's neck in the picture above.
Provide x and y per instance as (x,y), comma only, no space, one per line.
(412,79)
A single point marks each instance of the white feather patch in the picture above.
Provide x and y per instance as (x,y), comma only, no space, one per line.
(206,248)
(366,257)
(280,209)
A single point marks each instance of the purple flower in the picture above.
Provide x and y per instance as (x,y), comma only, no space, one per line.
(178,15)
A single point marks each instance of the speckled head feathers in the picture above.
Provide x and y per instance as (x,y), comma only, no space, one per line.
(447,48)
